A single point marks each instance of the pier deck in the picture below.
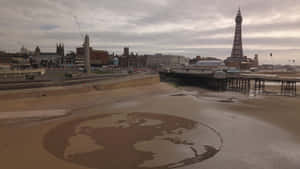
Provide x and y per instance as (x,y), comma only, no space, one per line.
(242,81)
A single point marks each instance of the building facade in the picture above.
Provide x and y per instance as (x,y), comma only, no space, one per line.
(160,60)
(97,57)
(200,58)
(87,56)
(49,59)
(132,60)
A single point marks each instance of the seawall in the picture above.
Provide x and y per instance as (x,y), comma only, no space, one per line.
(111,84)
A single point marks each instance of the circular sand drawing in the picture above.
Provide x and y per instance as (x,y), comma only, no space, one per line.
(133,141)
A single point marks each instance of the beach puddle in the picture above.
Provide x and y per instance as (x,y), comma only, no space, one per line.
(133,141)
(126,104)
(228,100)
(180,94)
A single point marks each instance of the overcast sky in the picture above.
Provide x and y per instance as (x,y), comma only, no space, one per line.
(184,27)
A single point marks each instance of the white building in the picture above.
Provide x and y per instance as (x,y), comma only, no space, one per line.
(210,63)
(160,60)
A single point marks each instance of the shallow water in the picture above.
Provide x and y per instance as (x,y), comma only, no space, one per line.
(248,142)
(31,114)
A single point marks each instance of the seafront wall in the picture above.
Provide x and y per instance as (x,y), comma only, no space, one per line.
(111,84)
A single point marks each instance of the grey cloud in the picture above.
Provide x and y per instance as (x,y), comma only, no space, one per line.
(48,27)
(176,26)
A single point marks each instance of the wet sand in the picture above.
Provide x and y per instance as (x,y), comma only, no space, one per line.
(126,144)
(32,114)
(258,132)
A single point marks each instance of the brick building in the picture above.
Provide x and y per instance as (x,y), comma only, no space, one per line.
(97,57)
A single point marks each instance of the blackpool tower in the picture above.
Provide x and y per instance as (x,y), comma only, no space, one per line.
(237,59)
(237,50)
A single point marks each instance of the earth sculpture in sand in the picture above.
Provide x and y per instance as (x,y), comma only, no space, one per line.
(133,141)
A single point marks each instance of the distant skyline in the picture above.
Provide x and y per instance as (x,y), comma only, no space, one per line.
(189,28)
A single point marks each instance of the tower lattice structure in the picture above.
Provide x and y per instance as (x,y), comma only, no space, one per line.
(237,50)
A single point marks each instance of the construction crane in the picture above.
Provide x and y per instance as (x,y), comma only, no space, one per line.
(78,24)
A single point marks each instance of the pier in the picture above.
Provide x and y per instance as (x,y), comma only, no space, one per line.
(232,81)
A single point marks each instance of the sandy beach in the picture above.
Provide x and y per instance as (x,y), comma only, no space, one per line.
(204,130)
